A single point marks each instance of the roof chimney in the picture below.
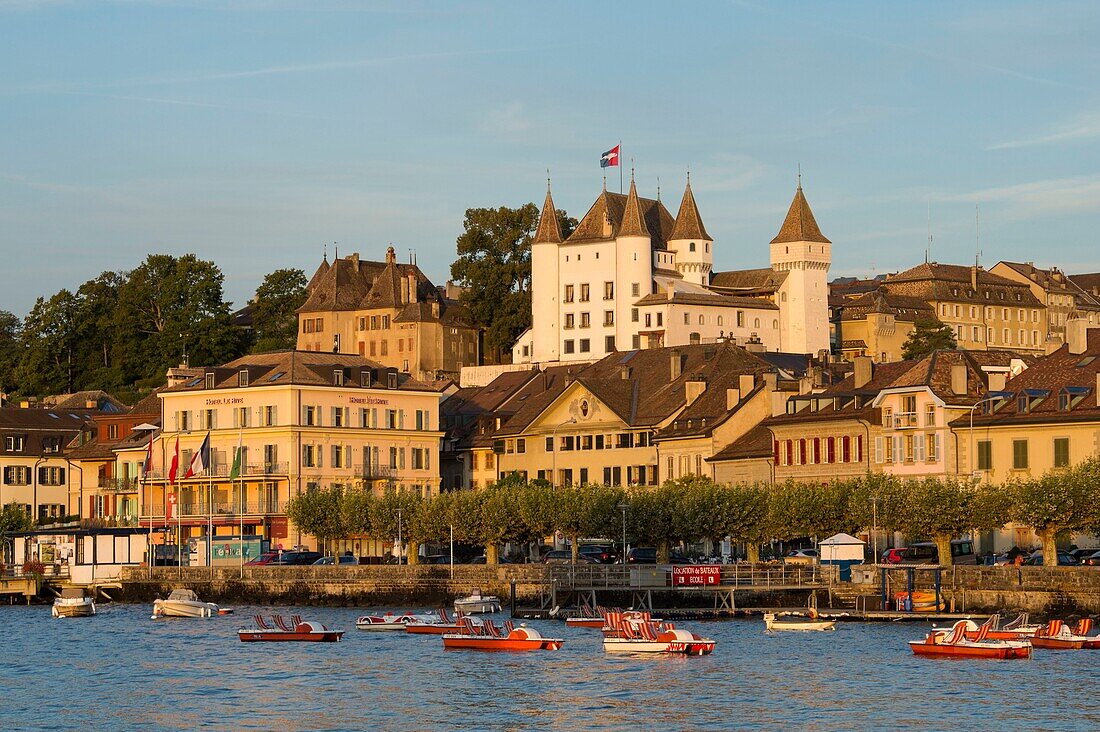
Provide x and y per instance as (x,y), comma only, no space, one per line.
(624,372)
(733,397)
(404,291)
(413,295)
(693,389)
(745,383)
(1077,335)
(354,260)
(958,379)
(676,365)
(391,256)
(862,372)
(974,277)
(997,380)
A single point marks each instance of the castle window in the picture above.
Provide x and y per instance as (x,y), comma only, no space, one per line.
(687,318)
(635,289)
(584,292)
(691,247)
(609,291)
(740,319)
(706,247)
(694,339)
(719,320)
(701,320)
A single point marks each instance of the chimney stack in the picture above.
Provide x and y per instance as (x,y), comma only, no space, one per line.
(997,380)
(391,256)
(733,397)
(1077,335)
(413,295)
(862,372)
(693,389)
(354,260)
(958,379)
(745,383)
(676,365)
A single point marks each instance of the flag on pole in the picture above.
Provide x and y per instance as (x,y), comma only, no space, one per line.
(610,159)
(147,466)
(201,460)
(238,457)
(174,469)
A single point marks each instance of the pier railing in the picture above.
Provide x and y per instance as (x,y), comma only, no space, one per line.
(612,576)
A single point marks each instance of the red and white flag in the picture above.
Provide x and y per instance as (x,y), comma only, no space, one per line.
(610,159)
(175,463)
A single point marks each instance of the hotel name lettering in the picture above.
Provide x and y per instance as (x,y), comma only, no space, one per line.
(224,400)
(367,400)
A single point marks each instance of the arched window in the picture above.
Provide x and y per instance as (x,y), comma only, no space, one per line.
(775,324)
(701,321)
(719,320)
(691,247)
(756,323)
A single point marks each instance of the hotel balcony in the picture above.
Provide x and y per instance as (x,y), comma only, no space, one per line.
(225,509)
(251,470)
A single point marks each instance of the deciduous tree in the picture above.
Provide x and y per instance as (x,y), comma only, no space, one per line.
(274,317)
(928,334)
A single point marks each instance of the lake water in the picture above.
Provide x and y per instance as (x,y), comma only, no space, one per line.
(121,670)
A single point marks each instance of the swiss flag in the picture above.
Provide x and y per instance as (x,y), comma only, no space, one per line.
(610,159)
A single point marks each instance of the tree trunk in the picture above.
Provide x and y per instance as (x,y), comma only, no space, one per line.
(662,551)
(412,551)
(575,547)
(943,549)
(752,553)
(491,554)
(1050,549)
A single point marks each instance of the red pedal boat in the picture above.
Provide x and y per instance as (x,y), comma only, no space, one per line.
(491,638)
(954,644)
(1057,636)
(633,636)
(434,627)
(1018,629)
(296,630)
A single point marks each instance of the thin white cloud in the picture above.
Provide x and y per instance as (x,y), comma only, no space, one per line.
(509,119)
(1038,198)
(1082,127)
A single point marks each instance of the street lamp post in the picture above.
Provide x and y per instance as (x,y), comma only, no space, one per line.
(622,507)
(554,452)
(874,528)
(400,543)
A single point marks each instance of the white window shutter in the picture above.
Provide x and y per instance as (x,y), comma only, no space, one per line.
(878,450)
(938,453)
(919,439)
(320,452)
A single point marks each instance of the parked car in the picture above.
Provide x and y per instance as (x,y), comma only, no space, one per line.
(895,555)
(925,552)
(342,559)
(1091,560)
(602,553)
(565,556)
(1065,559)
(480,559)
(1080,554)
(801,556)
(648,555)
(266,558)
(284,558)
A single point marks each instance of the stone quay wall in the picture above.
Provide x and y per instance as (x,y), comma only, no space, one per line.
(429,585)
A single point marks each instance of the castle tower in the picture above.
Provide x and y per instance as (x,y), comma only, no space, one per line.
(691,242)
(544,281)
(803,252)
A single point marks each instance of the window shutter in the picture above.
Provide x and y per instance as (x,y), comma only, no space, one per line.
(937,443)
(347,456)
(237,418)
(920,448)
(320,456)
(878,450)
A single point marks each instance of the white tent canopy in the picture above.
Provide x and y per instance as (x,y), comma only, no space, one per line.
(841,548)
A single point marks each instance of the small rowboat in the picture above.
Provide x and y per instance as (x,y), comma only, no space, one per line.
(1057,636)
(73,603)
(956,645)
(434,626)
(650,637)
(186,604)
(489,637)
(771,624)
(283,631)
(390,621)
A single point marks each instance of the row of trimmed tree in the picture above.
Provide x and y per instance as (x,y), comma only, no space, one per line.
(691,509)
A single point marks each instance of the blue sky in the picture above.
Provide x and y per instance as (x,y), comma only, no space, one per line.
(255,132)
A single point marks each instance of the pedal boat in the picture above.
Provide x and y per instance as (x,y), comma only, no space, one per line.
(477,603)
(296,630)
(631,636)
(390,621)
(1057,636)
(430,625)
(491,638)
(954,644)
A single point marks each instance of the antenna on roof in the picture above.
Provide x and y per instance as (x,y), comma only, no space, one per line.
(326,251)
(336,251)
(928,251)
(689,176)
(548,180)
(658,188)
(977,237)
(800,176)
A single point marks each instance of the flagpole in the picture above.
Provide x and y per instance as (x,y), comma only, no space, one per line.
(619,162)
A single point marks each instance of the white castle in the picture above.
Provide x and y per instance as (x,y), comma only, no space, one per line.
(631,276)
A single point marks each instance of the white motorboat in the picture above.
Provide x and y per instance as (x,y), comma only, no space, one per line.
(392,621)
(186,604)
(813,623)
(73,603)
(477,603)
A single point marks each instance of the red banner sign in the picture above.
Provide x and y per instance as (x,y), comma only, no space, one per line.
(696,576)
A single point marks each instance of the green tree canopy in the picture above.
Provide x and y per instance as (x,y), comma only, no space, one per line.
(1061,500)
(10,328)
(494,267)
(928,335)
(320,513)
(274,317)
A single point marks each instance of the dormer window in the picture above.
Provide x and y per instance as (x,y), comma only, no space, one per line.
(1030,398)
(365,379)
(391,380)
(209,379)
(242,377)
(337,377)
(1071,396)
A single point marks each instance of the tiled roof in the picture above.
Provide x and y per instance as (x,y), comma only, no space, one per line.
(932,281)
(689,225)
(800,224)
(304,368)
(604,220)
(103,401)
(633,223)
(708,299)
(934,372)
(756,443)
(36,424)
(1050,280)
(548,232)
(149,404)
(648,395)
(902,307)
(1054,373)
(757,281)
(843,400)
(1090,283)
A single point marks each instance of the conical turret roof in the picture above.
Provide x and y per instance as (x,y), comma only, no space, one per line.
(633,221)
(548,232)
(799,224)
(689,225)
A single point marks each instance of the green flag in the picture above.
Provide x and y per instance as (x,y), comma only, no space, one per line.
(236,471)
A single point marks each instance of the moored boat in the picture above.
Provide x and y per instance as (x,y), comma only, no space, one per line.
(296,630)
(73,603)
(477,603)
(488,637)
(390,621)
(1058,636)
(650,637)
(434,626)
(186,604)
(1018,629)
(955,643)
(771,623)
(613,618)
(588,618)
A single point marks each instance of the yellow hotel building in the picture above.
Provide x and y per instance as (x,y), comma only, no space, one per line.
(304,420)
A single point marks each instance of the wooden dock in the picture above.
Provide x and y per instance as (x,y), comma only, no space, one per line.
(12,587)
